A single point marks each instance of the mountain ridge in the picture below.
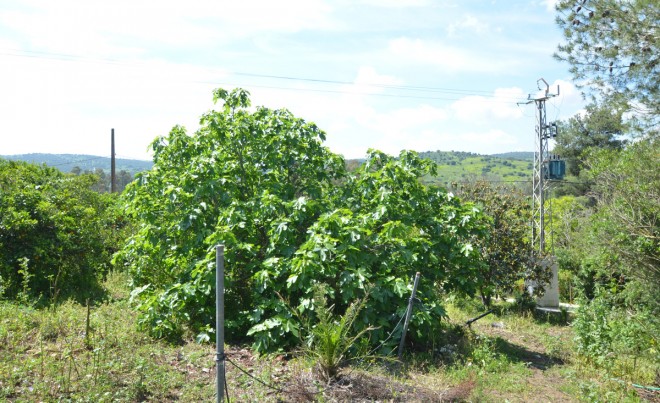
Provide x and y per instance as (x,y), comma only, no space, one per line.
(452,165)
(86,162)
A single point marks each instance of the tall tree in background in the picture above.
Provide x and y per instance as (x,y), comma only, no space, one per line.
(612,47)
(627,188)
(600,127)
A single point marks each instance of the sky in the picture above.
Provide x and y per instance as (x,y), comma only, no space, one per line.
(386,74)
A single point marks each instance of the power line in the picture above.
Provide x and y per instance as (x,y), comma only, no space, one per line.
(388,86)
(345,92)
(423,89)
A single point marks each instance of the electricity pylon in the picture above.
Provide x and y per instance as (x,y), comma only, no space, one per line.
(542,174)
(544,132)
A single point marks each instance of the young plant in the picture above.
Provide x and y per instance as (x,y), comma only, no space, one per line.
(332,339)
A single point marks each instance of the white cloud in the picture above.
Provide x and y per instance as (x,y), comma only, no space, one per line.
(64,106)
(96,28)
(449,58)
(468,23)
(367,75)
(56,103)
(549,4)
(502,105)
(396,3)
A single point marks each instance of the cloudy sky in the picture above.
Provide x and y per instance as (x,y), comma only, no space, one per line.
(386,74)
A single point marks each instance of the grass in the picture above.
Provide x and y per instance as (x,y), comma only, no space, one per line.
(54,354)
(457,167)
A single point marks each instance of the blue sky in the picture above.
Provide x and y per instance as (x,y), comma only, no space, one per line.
(385,74)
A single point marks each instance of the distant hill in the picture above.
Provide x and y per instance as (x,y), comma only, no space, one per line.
(516,155)
(458,166)
(86,162)
(453,166)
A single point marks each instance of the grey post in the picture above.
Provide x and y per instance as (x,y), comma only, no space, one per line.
(220,321)
(408,313)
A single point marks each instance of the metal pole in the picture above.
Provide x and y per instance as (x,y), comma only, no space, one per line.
(408,313)
(220,322)
(542,161)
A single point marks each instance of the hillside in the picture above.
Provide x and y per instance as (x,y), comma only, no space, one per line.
(456,166)
(516,155)
(86,162)
(453,166)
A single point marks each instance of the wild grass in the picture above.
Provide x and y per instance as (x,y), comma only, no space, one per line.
(53,354)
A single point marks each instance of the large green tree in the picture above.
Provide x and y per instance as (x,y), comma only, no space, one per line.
(601,126)
(291,217)
(627,187)
(613,48)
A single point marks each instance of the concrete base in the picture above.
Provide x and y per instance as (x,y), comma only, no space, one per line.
(562,305)
(550,299)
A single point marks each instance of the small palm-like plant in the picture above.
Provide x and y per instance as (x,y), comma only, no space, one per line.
(333,338)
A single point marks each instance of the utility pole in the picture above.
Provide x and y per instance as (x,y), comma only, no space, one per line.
(544,132)
(113,176)
(543,172)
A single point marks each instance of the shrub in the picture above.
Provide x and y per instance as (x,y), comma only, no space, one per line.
(291,217)
(56,234)
(610,335)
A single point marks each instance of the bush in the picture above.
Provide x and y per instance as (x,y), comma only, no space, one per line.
(291,217)
(56,234)
(613,337)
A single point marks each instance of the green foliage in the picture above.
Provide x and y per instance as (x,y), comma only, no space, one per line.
(600,127)
(505,250)
(577,247)
(617,339)
(628,195)
(291,217)
(612,47)
(611,251)
(56,234)
(615,243)
(332,340)
(484,355)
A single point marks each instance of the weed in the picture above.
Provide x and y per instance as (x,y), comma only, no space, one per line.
(485,356)
(26,276)
(47,355)
(554,347)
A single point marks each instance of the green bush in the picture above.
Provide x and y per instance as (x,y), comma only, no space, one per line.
(291,217)
(612,336)
(56,234)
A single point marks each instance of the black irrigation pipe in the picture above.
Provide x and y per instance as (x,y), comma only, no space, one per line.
(471,321)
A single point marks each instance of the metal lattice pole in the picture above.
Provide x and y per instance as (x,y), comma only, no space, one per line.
(539,183)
